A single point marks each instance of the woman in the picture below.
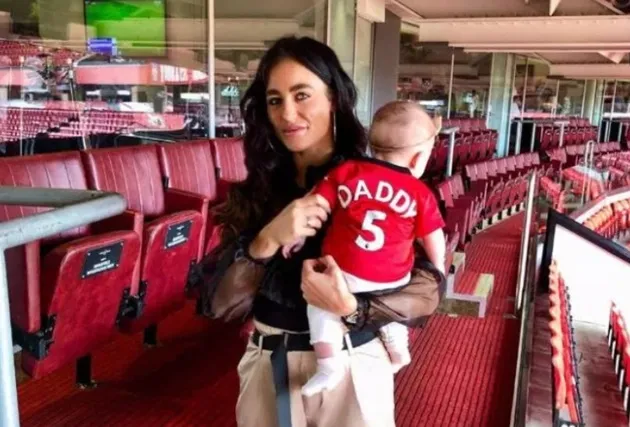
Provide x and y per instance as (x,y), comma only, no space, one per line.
(300,122)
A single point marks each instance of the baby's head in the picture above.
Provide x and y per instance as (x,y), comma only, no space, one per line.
(404,134)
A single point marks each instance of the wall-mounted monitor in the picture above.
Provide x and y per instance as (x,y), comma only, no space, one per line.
(138,26)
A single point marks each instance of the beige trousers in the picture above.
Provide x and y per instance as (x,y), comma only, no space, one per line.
(365,398)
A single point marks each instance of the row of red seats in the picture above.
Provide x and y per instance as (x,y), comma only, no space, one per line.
(552,192)
(22,123)
(563,157)
(611,219)
(16,53)
(567,405)
(72,292)
(619,347)
(578,132)
(580,183)
(473,143)
(493,186)
(491,172)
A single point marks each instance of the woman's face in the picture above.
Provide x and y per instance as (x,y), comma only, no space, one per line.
(299,107)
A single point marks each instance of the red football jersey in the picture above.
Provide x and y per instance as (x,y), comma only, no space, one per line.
(378,210)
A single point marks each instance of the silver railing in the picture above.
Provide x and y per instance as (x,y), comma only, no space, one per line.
(74,208)
(523,290)
(525,237)
(451,148)
(589,153)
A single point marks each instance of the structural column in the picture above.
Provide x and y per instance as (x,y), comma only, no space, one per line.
(590,90)
(385,60)
(342,22)
(501,82)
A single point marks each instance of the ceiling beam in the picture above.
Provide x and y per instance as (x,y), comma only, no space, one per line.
(615,57)
(553,5)
(549,47)
(591,71)
(608,5)
(602,29)
(402,11)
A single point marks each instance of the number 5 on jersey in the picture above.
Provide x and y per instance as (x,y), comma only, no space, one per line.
(368,225)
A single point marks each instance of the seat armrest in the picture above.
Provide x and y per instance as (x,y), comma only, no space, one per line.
(23,273)
(128,220)
(179,200)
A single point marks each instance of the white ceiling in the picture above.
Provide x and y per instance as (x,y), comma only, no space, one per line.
(577,38)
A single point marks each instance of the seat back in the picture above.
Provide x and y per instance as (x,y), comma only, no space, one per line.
(133,172)
(59,170)
(229,158)
(190,167)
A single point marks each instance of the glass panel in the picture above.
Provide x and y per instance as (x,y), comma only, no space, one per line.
(92,69)
(471,84)
(622,99)
(243,31)
(570,97)
(363,69)
(424,73)
(592,289)
(519,83)
(541,95)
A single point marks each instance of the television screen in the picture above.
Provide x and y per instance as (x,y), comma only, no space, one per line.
(139,26)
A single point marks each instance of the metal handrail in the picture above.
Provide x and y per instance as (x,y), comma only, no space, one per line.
(74,208)
(450,131)
(589,153)
(522,291)
(527,225)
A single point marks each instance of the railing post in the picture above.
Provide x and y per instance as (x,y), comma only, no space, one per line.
(451,148)
(527,225)
(519,135)
(522,289)
(9,415)
(74,208)
(532,141)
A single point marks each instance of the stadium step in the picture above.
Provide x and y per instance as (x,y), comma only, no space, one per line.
(501,216)
(467,292)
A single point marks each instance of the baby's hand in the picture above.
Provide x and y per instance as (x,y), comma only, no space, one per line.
(287,250)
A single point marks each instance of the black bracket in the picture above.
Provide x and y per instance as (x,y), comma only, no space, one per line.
(36,343)
(131,306)
(194,276)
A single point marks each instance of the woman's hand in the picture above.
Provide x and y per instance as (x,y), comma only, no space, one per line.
(325,287)
(301,218)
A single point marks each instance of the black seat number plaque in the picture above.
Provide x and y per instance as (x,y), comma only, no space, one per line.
(177,234)
(101,260)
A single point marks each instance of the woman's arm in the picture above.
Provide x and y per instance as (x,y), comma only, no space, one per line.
(324,286)
(233,276)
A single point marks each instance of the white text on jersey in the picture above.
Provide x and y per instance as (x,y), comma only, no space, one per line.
(399,201)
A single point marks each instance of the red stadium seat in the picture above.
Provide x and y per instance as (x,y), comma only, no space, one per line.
(61,307)
(190,167)
(170,234)
(230,162)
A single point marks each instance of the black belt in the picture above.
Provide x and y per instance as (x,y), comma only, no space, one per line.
(280,345)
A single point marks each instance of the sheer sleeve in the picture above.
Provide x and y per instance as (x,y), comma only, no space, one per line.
(230,281)
(411,305)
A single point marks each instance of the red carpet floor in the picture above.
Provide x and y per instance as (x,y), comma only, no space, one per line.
(462,374)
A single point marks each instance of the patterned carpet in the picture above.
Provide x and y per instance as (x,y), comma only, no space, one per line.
(462,373)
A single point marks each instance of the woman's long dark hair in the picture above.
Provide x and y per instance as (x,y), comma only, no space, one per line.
(269,164)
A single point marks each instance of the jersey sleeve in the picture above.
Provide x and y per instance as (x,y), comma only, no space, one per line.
(327,187)
(428,218)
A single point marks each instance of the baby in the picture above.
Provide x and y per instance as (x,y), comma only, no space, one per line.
(379,207)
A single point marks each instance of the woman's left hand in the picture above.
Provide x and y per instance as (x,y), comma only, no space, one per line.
(325,287)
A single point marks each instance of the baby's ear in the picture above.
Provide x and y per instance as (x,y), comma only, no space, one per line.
(437,122)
